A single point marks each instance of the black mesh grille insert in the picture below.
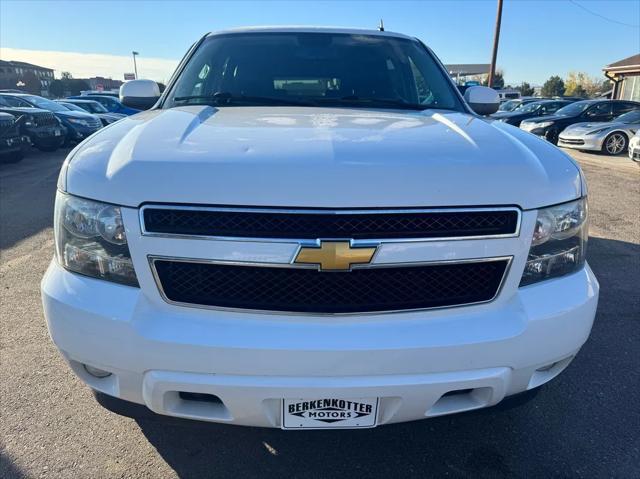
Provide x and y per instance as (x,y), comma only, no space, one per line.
(310,291)
(369,225)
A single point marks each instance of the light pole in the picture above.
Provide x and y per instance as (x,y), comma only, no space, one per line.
(496,38)
(135,67)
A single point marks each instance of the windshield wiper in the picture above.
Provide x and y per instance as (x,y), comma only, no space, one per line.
(226,98)
(396,103)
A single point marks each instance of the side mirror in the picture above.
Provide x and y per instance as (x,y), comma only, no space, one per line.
(482,100)
(139,94)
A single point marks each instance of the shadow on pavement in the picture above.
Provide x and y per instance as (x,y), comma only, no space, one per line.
(27,192)
(8,469)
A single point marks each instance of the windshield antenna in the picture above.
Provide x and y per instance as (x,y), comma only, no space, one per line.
(381,26)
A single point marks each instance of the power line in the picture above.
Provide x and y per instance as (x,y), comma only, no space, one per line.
(602,16)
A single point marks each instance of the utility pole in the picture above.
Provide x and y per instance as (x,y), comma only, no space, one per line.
(135,67)
(496,38)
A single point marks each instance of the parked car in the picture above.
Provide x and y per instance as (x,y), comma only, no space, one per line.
(12,142)
(530,110)
(79,125)
(611,138)
(507,94)
(42,127)
(511,105)
(112,105)
(551,126)
(93,107)
(352,249)
(113,94)
(634,147)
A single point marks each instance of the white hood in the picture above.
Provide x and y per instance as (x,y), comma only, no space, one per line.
(319,157)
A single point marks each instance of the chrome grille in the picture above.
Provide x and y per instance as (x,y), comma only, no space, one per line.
(313,224)
(307,290)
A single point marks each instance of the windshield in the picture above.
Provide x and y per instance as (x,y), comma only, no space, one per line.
(629,117)
(574,109)
(311,69)
(528,108)
(510,105)
(71,106)
(93,107)
(45,104)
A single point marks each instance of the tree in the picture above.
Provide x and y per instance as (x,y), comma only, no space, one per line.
(56,88)
(579,91)
(498,80)
(66,75)
(581,84)
(525,89)
(75,85)
(554,86)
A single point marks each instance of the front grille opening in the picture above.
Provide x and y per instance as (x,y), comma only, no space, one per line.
(302,290)
(306,225)
(201,397)
(459,400)
(457,392)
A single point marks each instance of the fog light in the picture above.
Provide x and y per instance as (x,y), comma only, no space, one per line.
(96,372)
(546,368)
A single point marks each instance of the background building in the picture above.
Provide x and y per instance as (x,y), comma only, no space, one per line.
(101,83)
(25,76)
(625,75)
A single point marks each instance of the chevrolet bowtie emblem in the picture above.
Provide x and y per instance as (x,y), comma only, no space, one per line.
(334,255)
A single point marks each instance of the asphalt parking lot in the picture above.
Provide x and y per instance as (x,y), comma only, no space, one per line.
(586,423)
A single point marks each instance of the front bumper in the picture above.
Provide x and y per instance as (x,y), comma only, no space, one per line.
(534,129)
(582,142)
(47,136)
(251,361)
(634,151)
(79,132)
(13,144)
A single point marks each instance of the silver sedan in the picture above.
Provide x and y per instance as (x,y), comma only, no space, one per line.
(611,137)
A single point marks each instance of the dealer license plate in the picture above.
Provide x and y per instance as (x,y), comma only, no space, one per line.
(329,413)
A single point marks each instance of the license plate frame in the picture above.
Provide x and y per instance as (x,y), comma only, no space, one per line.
(329,413)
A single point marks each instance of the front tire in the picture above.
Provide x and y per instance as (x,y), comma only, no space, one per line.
(552,136)
(615,143)
(13,157)
(47,148)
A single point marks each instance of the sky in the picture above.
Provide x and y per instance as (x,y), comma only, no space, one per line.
(539,38)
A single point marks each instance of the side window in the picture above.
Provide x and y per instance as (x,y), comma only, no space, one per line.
(620,108)
(107,102)
(16,102)
(553,107)
(599,111)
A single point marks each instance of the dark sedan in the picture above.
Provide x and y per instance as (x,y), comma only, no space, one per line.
(112,105)
(93,107)
(41,126)
(551,126)
(79,125)
(530,110)
(12,142)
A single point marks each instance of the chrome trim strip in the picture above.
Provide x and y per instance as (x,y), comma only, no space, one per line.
(153,258)
(361,242)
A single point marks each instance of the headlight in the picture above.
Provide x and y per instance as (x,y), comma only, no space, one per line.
(559,242)
(28,121)
(78,121)
(91,240)
(595,132)
(542,124)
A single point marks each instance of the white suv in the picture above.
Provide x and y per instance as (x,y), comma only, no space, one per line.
(311,228)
